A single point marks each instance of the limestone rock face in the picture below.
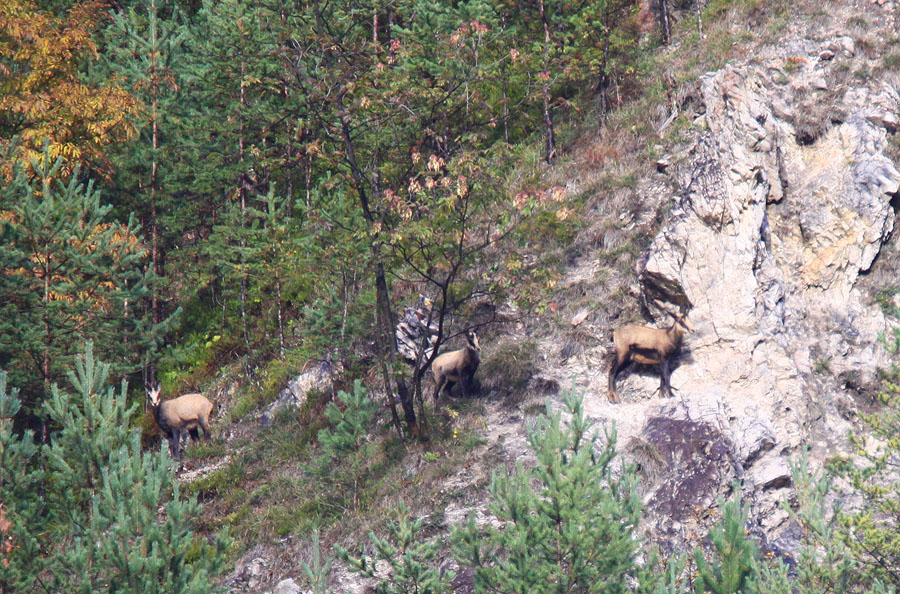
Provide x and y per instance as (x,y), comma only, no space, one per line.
(773,221)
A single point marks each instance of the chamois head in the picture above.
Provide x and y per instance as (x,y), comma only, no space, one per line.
(648,346)
(472,341)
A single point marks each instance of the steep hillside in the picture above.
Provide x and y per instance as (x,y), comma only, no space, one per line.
(759,197)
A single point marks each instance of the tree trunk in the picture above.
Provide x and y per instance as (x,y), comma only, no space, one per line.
(243,196)
(156,266)
(385,316)
(280,314)
(664,20)
(549,135)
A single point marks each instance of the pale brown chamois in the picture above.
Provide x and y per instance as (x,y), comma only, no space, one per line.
(179,415)
(457,367)
(647,346)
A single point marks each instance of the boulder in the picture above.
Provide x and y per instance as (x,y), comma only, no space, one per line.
(318,377)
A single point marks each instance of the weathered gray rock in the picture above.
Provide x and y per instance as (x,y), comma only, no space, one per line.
(319,377)
(771,474)
(286,586)
(248,575)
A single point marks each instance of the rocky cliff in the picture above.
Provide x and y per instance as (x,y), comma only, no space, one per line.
(778,206)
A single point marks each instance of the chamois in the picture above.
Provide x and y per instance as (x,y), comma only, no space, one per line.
(647,346)
(179,415)
(457,366)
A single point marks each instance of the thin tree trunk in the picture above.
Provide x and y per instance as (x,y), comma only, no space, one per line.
(603,84)
(698,6)
(382,295)
(280,314)
(549,135)
(155,263)
(664,20)
(243,196)
(505,103)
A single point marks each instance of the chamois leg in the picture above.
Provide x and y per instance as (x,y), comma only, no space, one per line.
(448,388)
(437,389)
(195,434)
(617,362)
(207,434)
(665,388)
(175,443)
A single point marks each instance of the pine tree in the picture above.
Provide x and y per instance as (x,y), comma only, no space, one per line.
(734,555)
(345,455)
(145,46)
(71,272)
(872,532)
(21,513)
(99,526)
(411,560)
(567,523)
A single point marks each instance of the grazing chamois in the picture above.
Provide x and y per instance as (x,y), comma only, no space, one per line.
(647,346)
(457,366)
(179,415)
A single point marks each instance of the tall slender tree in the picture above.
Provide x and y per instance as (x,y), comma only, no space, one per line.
(145,47)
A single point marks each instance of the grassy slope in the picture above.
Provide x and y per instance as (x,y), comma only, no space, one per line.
(257,481)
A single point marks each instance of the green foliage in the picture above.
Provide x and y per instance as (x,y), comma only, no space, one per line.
(345,460)
(350,424)
(411,561)
(20,479)
(824,562)
(318,568)
(733,554)
(111,517)
(568,522)
(67,268)
(871,532)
